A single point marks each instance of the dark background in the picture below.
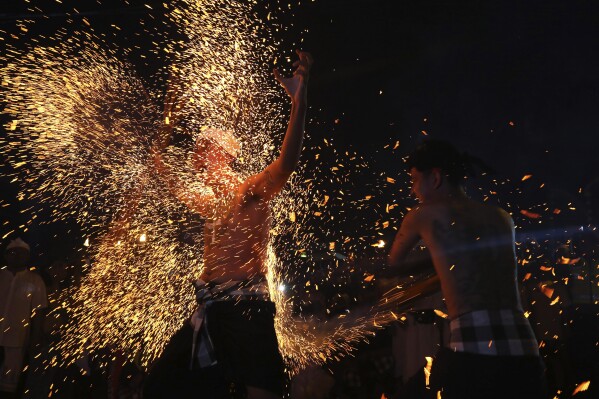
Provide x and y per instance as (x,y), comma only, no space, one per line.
(514,82)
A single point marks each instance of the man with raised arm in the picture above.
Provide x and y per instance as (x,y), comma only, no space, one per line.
(234,323)
(492,351)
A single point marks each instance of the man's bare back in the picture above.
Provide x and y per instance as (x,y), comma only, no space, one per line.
(472,248)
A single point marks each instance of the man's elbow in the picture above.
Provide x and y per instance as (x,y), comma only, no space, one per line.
(281,173)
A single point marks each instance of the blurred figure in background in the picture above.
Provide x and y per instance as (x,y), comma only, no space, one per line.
(22,303)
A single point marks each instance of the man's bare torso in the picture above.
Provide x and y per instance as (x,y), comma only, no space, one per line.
(472,246)
(235,245)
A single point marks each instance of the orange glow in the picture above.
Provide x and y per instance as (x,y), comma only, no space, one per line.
(547,291)
(530,214)
(583,386)
(427,369)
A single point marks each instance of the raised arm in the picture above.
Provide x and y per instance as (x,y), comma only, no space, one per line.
(407,237)
(171,115)
(199,202)
(271,180)
(121,223)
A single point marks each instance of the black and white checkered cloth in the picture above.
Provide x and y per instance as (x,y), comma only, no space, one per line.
(503,332)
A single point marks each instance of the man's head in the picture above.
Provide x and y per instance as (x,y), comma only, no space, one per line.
(16,254)
(435,165)
(215,149)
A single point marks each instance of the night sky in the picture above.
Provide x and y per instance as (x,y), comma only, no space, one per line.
(514,82)
(469,68)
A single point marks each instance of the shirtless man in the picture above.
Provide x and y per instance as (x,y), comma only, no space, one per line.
(492,350)
(235,318)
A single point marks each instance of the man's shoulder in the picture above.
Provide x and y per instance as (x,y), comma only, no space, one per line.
(418,215)
(469,205)
(494,209)
(421,215)
(455,210)
(247,196)
(5,275)
(429,209)
(32,277)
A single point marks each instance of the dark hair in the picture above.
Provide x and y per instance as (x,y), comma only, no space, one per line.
(443,155)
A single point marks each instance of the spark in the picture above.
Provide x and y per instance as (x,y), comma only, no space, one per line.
(583,386)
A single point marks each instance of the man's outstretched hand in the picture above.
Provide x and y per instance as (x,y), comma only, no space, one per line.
(295,86)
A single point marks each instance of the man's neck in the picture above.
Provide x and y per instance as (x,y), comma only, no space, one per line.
(16,269)
(451,193)
(448,194)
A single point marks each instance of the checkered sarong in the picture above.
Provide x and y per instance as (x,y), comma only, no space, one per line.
(503,332)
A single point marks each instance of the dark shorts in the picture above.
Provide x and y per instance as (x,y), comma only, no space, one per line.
(463,375)
(246,348)
(246,344)
(170,376)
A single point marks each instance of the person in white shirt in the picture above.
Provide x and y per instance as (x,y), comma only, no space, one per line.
(22,303)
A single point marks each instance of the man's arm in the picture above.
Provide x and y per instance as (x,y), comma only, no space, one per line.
(272,179)
(406,239)
(199,202)
(172,104)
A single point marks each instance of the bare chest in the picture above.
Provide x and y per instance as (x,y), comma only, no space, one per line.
(244,225)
